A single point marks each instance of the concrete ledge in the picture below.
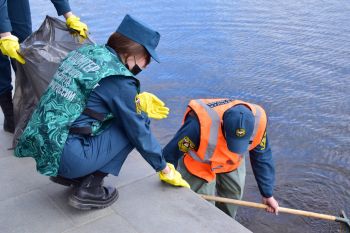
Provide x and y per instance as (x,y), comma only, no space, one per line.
(29,202)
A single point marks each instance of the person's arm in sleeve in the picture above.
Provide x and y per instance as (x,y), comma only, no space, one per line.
(72,21)
(263,167)
(9,45)
(264,172)
(62,6)
(120,97)
(186,138)
(5,23)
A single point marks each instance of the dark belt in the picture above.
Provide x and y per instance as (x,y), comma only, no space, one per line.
(93,114)
(81,130)
(87,130)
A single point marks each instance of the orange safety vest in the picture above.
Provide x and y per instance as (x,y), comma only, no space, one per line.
(213,155)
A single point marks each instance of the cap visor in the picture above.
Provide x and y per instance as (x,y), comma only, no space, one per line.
(153,54)
(238,146)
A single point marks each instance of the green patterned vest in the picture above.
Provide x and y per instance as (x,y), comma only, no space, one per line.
(63,102)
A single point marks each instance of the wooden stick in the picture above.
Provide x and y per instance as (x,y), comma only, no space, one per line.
(262,206)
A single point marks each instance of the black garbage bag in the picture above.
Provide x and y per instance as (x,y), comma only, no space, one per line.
(43,51)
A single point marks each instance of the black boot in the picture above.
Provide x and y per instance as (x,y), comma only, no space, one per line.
(92,194)
(7,108)
(66,181)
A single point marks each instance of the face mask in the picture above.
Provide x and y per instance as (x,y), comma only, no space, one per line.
(135,70)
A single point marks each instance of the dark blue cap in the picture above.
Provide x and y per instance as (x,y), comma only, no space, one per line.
(140,33)
(238,127)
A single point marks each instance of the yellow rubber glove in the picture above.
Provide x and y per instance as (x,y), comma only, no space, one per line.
(153,106)
(9,46)
(74,23)
(173,177)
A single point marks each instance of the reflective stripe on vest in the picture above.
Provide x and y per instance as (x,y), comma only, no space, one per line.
(257,117)
(259,126)
(213,137)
